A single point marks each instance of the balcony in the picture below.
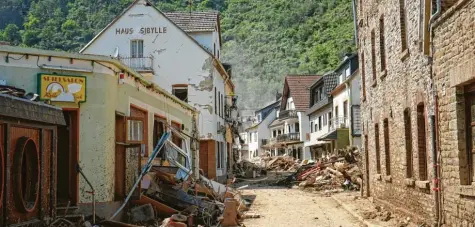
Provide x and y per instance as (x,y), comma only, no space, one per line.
(289,137)
(143,64)
(264,142)
(286,114)
(339,122)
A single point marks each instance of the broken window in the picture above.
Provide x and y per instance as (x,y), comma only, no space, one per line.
(421,141)
(376,141)
(181,92)
(176,137)
(408,138)
(136,48)
(387,153)
(158,129)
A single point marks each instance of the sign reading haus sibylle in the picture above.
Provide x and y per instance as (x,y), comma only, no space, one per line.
(143,30)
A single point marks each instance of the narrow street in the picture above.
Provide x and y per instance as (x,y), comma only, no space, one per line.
(279,206)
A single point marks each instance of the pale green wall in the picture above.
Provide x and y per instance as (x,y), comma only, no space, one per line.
(97,122)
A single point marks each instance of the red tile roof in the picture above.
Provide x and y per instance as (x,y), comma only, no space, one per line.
(298,87)
(195,21)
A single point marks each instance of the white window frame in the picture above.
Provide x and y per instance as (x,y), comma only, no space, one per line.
(135,50)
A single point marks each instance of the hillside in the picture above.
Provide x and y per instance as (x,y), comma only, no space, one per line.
(264,40)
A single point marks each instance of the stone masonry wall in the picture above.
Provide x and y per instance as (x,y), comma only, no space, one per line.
(454,67)
(405,84)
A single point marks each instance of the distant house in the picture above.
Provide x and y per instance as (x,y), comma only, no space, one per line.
(258,133)
(320,116)
(346,121)
(289,129)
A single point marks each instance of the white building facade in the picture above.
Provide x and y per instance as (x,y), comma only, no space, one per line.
(183,58)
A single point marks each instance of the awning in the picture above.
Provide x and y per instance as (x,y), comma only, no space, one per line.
(329,136)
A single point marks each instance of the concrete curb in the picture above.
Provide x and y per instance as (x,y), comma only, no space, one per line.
(354,213)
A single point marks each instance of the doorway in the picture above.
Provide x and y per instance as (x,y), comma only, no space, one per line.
(67,159)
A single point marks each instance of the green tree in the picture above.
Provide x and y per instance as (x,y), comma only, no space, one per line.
(12,34)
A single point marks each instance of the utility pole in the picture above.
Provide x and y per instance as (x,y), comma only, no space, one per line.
(195,146)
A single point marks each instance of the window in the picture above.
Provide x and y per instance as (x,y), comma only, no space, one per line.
(330,119)
(373,54)
(320,123)
(274,133)
(387,153)
(214,49)
(181,92)
(279,132)
(345,110)
(382,48)
(176,137)
(408,138)
(219,103)
(297,127)
(336,111)
(324,119)
(363,76)
(136,48)
(348,72)
(376,143)
(135,130)
(222,105)
(421,142)
(215,102)
(316,127)
(470,136)
(255,136)
(402,21)
(158,129)
(219,155)
(311,126)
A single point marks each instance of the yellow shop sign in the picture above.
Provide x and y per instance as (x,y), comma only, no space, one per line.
(58,88)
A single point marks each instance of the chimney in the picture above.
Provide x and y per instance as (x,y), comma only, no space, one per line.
(228,68)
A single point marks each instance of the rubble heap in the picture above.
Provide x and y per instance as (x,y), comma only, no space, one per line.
(341,170)
(282,163)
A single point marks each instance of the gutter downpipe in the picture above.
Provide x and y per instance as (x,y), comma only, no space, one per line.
(355,23)
(434,120)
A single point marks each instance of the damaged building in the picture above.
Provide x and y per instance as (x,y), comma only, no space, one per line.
(112,120)
(181,52)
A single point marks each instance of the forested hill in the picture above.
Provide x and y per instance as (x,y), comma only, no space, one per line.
(263,39)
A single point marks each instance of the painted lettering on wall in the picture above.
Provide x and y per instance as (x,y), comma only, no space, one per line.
(143,30)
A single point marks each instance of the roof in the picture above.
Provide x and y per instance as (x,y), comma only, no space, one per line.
(98,58)
(298,87)
(148,3)
(195,21)
(267,106)
(20,108)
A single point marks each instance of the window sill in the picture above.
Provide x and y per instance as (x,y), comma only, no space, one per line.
(388,179)
(409,182)
(377,177)
(375,82)
(467,190)
(405,54)
(423,184)
(383,74)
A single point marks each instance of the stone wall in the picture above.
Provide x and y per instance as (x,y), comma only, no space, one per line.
(404,84)
(454,67)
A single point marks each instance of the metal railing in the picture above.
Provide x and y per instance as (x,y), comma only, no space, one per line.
(339,122)
(283,114)
(138,64)
(295,136)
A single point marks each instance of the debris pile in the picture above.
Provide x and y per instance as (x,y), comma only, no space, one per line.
(341,170)
(247,169)
(282,163)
